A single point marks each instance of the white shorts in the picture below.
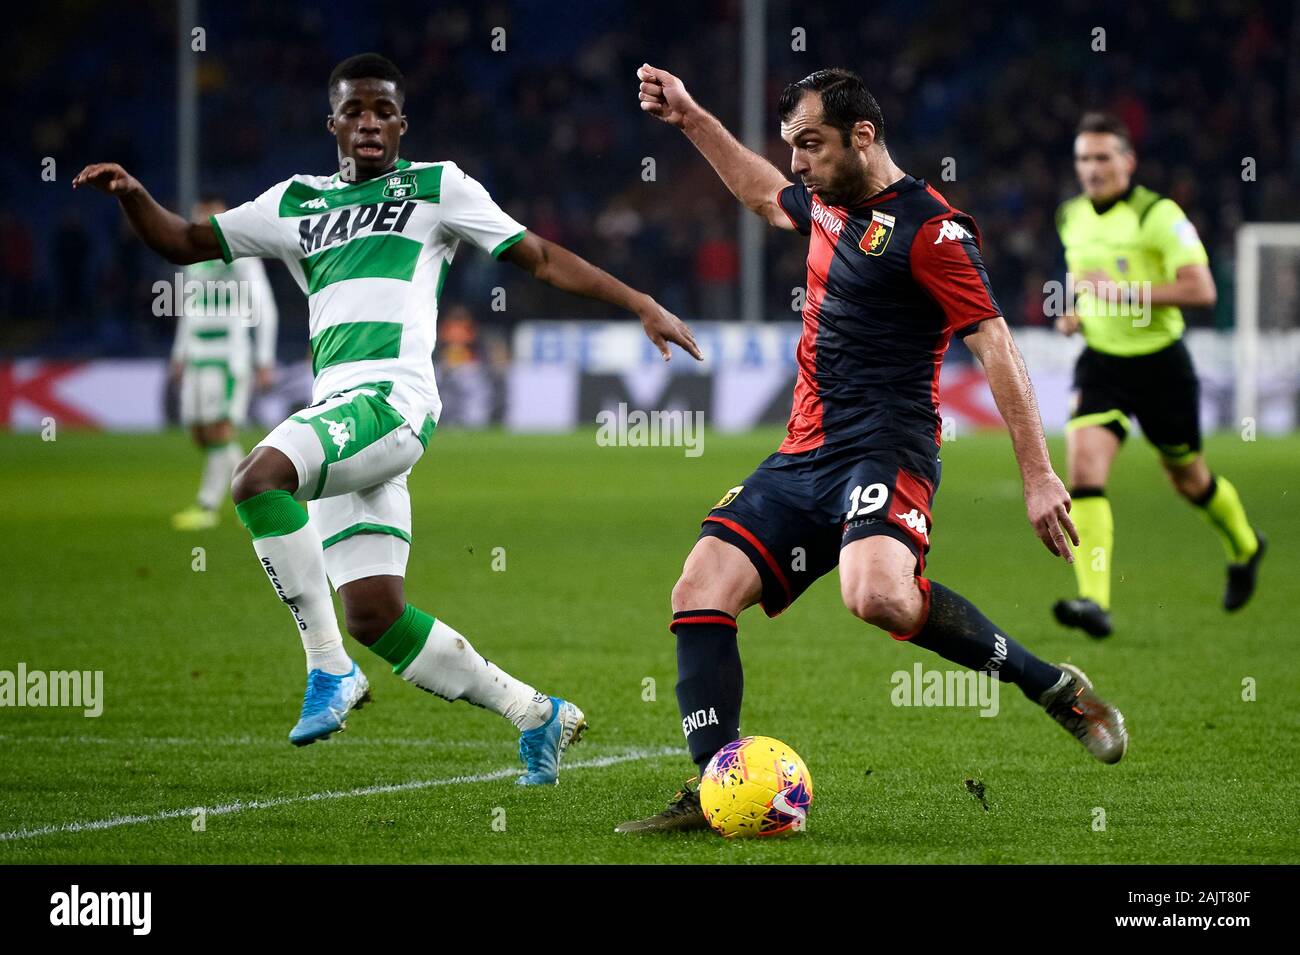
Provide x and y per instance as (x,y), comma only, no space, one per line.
(213,391)
(353,452)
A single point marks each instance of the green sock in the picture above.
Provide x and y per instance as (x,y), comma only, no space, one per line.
(271,514)
(1096,527)
(1222,508)
(405,638)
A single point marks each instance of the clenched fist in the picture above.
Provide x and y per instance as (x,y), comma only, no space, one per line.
(664,97)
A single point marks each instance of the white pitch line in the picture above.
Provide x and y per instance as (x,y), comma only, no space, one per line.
(239,805)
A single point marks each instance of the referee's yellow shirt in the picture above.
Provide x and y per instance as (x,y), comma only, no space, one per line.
(1141,237)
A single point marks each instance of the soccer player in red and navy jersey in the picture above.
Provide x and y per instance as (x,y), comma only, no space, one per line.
(893,273)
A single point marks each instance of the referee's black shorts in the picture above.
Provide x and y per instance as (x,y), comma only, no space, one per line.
(1159,389)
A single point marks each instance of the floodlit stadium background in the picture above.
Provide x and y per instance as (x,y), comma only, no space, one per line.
(980,100)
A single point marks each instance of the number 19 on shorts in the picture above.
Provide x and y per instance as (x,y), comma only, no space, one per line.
(866,500)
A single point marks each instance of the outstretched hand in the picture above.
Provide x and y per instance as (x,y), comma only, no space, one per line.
(1048,507)
(107,177)
(662,326)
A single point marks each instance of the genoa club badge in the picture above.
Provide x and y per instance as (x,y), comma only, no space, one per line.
(877,235)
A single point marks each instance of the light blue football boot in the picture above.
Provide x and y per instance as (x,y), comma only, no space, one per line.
(540,749)
(327,702)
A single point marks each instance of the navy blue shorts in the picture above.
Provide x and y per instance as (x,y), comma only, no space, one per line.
(795,512)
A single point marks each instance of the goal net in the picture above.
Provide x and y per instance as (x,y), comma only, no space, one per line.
(1268,326)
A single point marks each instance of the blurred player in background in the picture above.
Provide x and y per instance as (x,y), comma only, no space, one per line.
(1118,235)
(214,364)
(371,246)
(893,273)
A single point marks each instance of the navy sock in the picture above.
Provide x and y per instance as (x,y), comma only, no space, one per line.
(710,681)
(957,631)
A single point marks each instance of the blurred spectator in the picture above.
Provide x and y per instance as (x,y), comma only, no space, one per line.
(465,379)
(17,265)
(717,267)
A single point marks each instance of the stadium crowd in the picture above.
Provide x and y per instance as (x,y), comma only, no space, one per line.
(551,126)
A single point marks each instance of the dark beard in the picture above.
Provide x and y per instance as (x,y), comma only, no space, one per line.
(844,190)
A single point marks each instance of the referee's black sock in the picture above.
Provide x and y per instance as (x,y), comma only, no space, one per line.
(957,631)
(710,681)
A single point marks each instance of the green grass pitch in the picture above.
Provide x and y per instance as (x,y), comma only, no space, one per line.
(203,673)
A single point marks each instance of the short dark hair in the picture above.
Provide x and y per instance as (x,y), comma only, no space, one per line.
(845,101)
(368,66)
(1099,122)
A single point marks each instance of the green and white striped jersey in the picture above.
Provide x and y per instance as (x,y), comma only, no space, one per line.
(220,304)
(372,258)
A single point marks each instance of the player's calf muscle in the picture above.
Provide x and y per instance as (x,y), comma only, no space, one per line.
(371,605)
(1190,480)
(264,469)
(1091,449)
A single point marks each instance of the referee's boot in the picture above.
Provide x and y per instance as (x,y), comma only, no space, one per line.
(1241,577)
(1085,614)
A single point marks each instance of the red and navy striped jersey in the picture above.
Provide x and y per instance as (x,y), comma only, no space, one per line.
(889,282)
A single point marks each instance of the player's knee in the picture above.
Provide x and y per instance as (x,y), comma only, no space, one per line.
(248,481)
(689,592)
(223,432)
(696,589)
(256,474)
(1188,482)
(369,620)
(880,605)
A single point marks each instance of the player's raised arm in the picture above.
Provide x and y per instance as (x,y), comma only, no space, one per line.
(1046,500)
(559,267)
(751,178)
(177,240)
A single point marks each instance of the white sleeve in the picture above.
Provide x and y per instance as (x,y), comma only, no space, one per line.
(469,213)
(252,229)
(264,316)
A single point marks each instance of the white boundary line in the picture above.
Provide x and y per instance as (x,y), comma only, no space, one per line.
(240,805)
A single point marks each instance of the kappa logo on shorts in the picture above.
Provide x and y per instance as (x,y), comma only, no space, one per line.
(341,432)
(916,521)
(729,496)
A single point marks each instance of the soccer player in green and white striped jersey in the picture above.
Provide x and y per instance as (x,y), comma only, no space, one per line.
(214,364)
(370,246)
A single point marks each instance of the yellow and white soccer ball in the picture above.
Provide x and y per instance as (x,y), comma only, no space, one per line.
(756,786)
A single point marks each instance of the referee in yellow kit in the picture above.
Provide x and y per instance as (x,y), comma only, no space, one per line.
(1118,237)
